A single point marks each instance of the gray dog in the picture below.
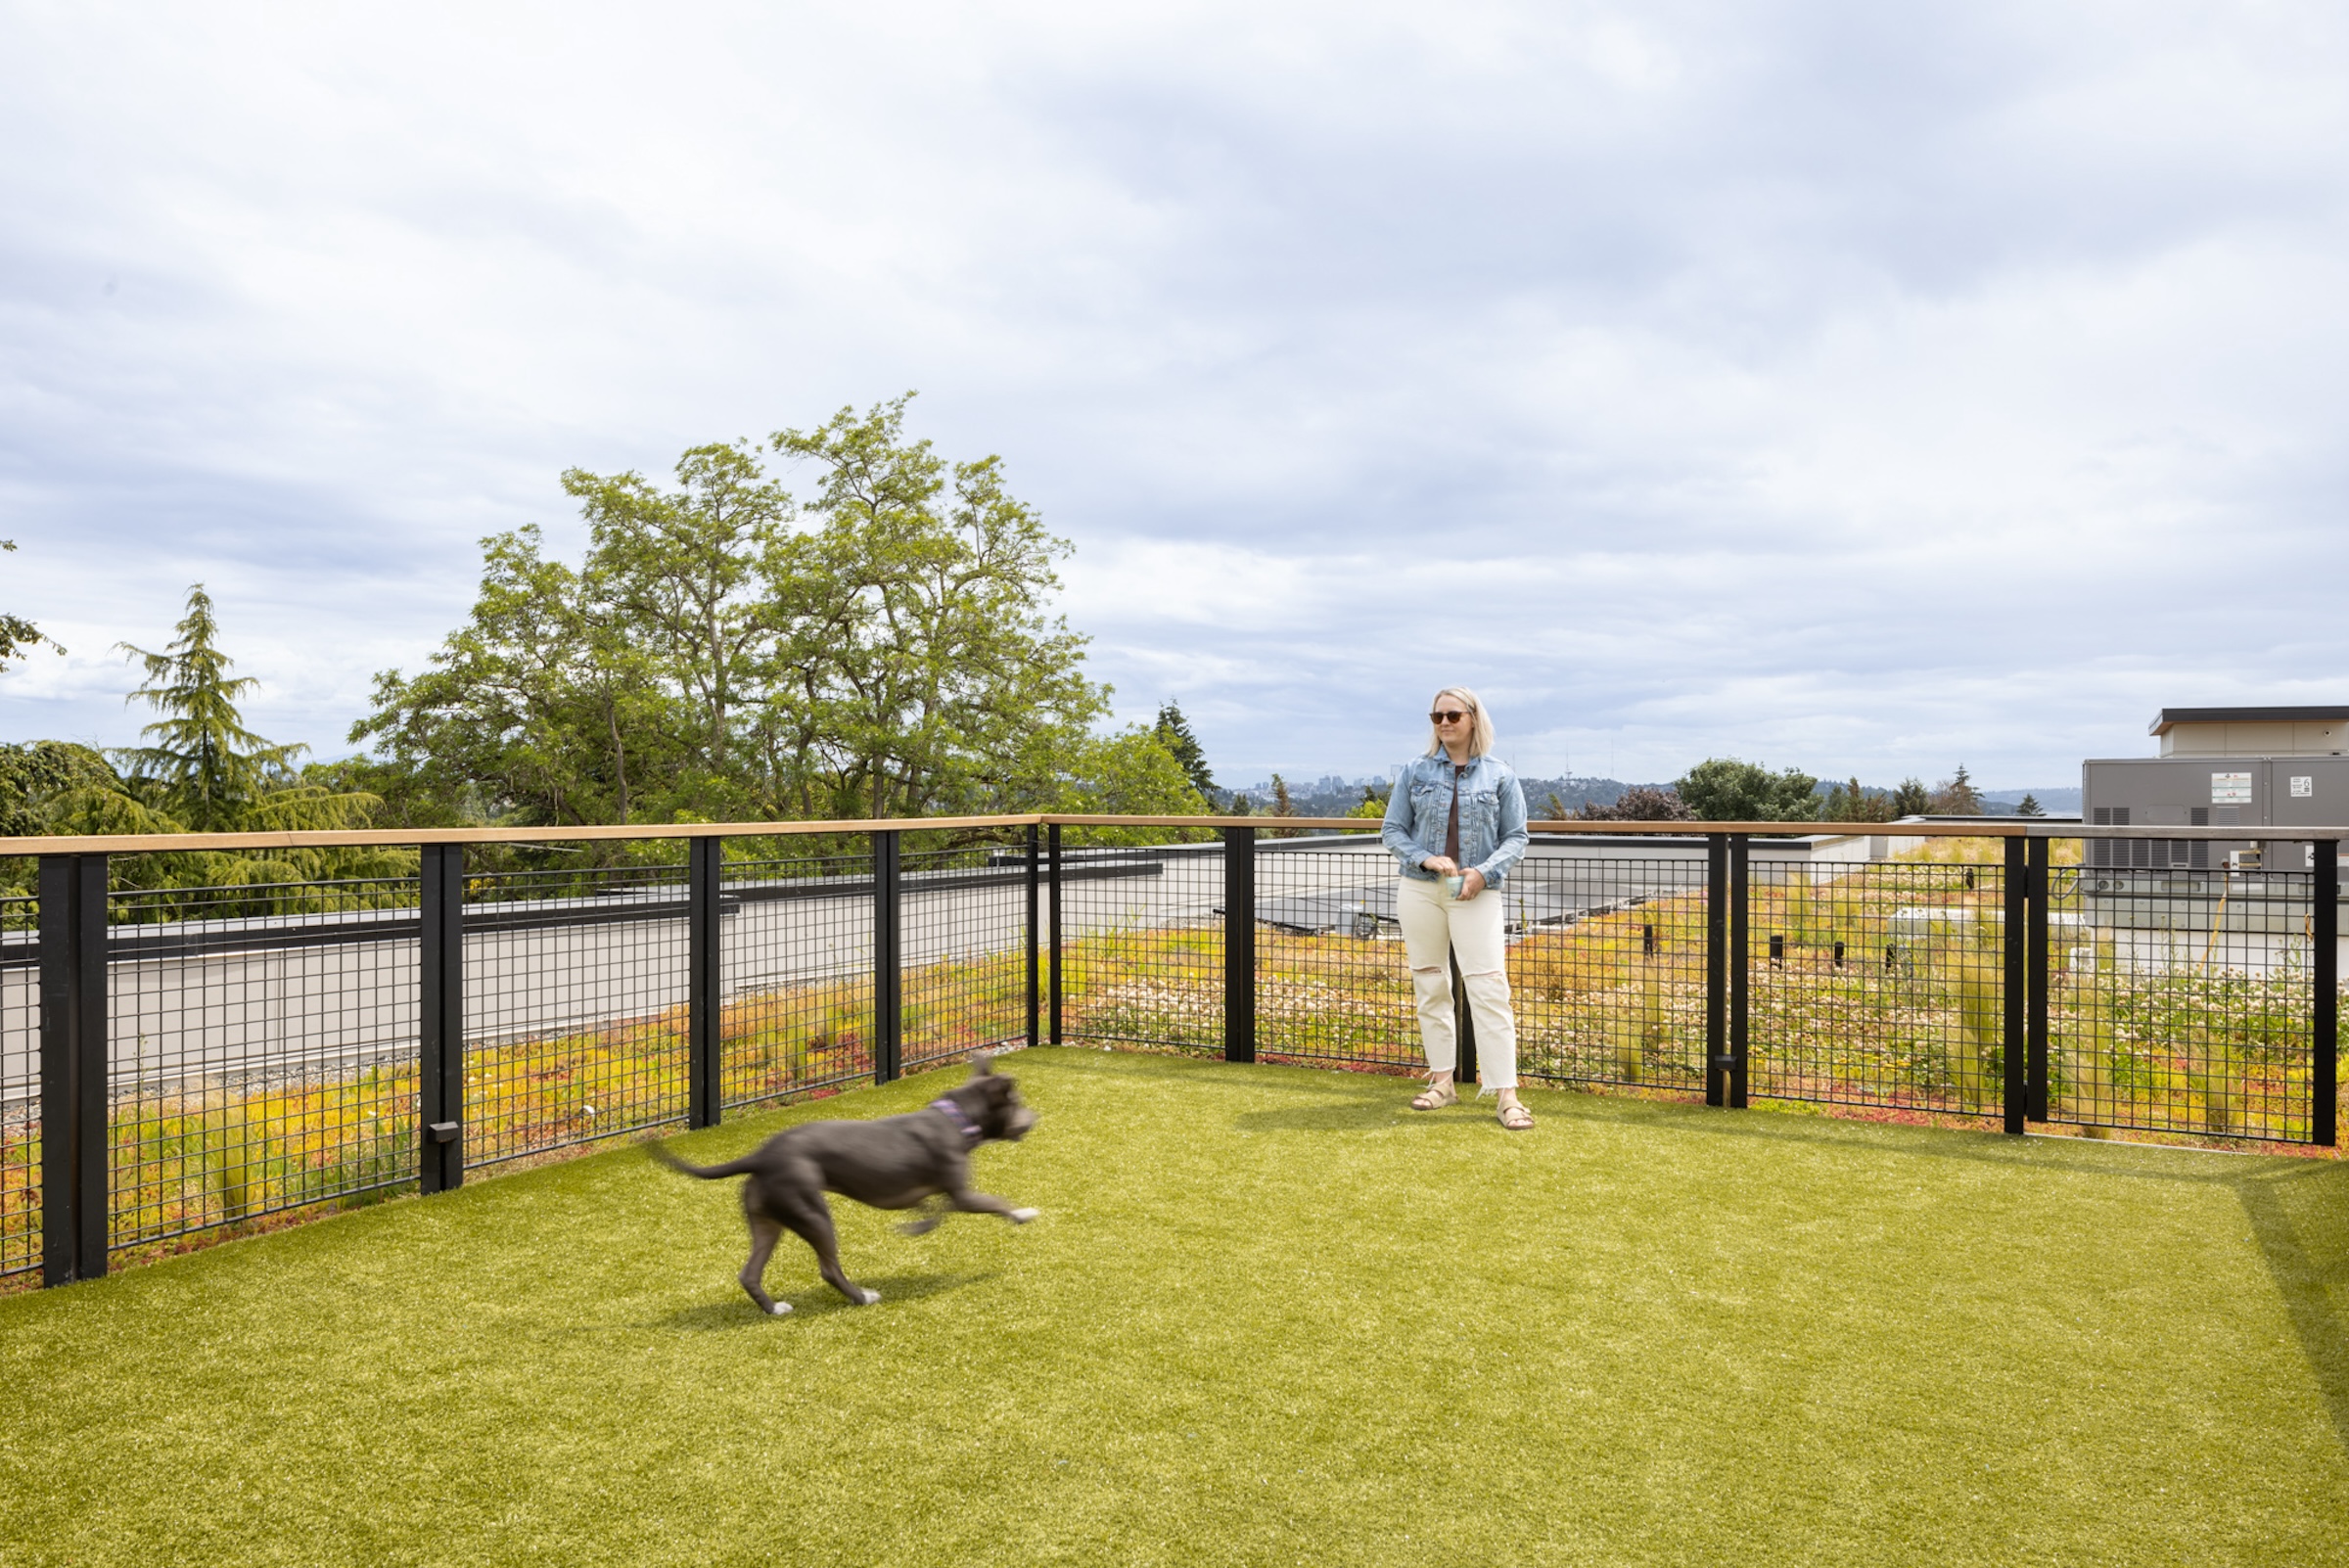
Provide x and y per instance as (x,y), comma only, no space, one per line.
(894,1162)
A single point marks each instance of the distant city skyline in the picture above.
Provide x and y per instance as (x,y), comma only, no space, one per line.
(2051,796)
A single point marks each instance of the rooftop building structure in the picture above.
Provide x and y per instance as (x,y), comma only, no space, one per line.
(2317,732)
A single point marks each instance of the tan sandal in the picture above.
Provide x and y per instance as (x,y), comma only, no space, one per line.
(1515,1117)
(1436,1096)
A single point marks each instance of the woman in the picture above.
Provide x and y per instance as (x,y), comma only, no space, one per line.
(1456,823)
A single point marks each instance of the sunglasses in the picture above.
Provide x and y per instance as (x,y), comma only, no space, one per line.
(1446,715)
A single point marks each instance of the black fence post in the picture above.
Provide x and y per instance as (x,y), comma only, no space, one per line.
(705,983)
(2324,932)
(1239,944)
(73,1131)
(1052,859)
(441,1019)
(1740,968)
(1035,896)
(1463,1026)
(2013,947)
(2035,993)
(888,970)
(1717,968)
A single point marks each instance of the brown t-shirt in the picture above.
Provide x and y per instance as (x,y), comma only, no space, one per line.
(1452,828)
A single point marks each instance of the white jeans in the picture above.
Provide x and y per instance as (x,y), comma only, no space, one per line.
(1433,926)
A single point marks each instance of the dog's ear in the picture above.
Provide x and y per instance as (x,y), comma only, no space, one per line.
(982,1063)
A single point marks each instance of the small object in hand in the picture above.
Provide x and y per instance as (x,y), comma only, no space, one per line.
(1453,885)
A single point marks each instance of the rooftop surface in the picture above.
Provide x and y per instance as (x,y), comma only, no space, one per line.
(1269,1315)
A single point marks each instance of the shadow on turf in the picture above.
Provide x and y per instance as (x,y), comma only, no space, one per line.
(717,1316)
(2301,1219)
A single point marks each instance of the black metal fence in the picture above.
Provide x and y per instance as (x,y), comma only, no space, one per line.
(176,1062)
(1975,978)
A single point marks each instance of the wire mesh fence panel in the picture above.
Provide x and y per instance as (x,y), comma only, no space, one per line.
(1141,930)
(1607,964)
(1879,983)
(20,1086)
(798,974)
(556,887)
(963,924)
(2181,1000)
(576,1024)
(1332,984)
(258,1062)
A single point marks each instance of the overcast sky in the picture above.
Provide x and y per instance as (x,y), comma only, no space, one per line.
(1866,388)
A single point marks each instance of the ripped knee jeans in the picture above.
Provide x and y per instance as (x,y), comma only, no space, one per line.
(1434,928)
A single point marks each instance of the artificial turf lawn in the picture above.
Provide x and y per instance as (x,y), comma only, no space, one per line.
(1269,1315)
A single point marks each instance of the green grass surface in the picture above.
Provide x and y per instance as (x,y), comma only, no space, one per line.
(1269,1317)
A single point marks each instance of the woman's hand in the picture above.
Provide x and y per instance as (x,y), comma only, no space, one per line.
(1440,865)
(1472,883)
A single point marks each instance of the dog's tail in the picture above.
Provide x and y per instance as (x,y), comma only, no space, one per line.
(707,1173)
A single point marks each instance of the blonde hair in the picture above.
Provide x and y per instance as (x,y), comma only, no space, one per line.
(1480,722)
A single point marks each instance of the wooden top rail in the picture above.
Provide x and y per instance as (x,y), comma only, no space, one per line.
(1989,828)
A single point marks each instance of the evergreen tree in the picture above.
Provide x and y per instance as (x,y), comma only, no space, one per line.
(2030,807)
(202,770)
(1956,797)
(206,772)
(1909,800)
(1283,805)
(201,765)
(1174,732)
(1849,803)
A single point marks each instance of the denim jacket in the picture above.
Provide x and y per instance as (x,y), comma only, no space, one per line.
(1492,817)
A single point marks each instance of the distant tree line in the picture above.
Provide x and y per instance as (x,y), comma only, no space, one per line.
(722,651)
(1725,789)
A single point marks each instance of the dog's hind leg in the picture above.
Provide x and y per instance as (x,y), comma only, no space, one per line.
(810,1219)
(764,1233)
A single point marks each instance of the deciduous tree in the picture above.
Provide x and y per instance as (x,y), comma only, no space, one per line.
(19,636)
(920,668)
(885,649)
(1723,789)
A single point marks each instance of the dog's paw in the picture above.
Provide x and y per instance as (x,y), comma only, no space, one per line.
(779,1309)
(870,1297)
(1020,1217)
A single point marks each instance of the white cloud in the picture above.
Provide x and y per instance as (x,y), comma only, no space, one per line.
(1866,389)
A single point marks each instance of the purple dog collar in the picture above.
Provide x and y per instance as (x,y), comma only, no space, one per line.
(960,1118)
